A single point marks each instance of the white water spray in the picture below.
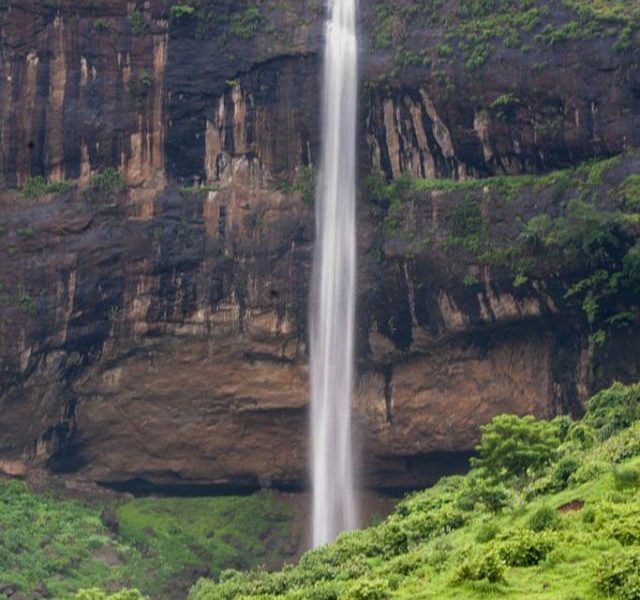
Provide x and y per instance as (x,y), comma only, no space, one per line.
(334,280)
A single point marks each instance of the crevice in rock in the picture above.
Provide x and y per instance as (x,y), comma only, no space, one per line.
(388,393)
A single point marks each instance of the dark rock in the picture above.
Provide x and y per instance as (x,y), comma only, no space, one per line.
(157,339)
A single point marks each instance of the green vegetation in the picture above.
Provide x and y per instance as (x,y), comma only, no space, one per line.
(241,22)
(304,184)
(228,531)
(197,191)
(18,297)
(138,23)
(512,446)
(557,528)
(590,247)
(26,232)
(100,25)
(37,186)
(106,183)
(473,29)
(139,87)
(97,594)
(63,546)
(145,78)
(246,24)
(180,11)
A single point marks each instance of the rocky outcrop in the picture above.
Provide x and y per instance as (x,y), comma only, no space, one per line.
(159,335)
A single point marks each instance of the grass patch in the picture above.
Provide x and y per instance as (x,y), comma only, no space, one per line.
(63,546)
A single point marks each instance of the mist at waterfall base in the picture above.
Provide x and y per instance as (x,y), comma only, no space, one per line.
(332,318)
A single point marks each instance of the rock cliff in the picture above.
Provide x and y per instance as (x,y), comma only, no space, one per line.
(155,334)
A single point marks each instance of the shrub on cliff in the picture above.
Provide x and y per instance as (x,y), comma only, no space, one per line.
(179,11)
(37,186)
(104,184)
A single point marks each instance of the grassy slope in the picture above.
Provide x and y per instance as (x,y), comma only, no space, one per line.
(445,543)
(64,545)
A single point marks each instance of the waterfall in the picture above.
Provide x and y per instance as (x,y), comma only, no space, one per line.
(332,319)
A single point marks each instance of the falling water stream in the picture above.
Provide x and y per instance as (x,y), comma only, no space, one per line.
(333,291)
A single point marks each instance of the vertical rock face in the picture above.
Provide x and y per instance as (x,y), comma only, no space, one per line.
(160,334)
(86,103)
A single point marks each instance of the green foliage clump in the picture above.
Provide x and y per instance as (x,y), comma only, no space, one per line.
(543,518)
(106,183)
(138,23)
(512,446)
(613,409)
(246,24)
(303,184)
(97,594)
(626,478)
(37,186)
(369,589)
(487,566)
(493,497)
(618,575)
(100,25)
(179,11)
(525,548)
(487,532)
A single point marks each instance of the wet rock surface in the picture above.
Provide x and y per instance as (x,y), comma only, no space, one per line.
(158,337)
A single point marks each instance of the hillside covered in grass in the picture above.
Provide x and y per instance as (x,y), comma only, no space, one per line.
(52,547)
(550,510)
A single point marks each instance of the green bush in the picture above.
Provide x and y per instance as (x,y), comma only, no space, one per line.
(138,23)
(106,183)
(613,409)
(493,497)
(621,521)
(487,566)
(543,518)
(179,11)
(581,435)
(404,564)
(618,575)
(96,594)
(487,532)
(37,186)
(626,478)
(246,24)
(525,548)
(563,470)
(590,469)
(369,589)
(512,446)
